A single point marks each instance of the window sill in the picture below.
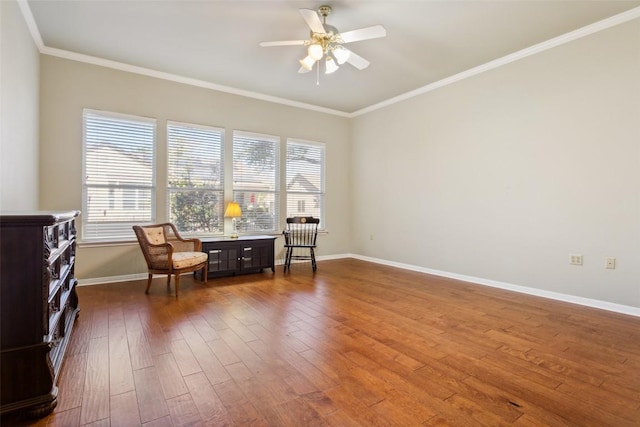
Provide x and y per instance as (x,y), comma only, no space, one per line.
(114,243)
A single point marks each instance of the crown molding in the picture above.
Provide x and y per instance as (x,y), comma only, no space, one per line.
(524,53)
(107,63)
(74,56)
(31,23)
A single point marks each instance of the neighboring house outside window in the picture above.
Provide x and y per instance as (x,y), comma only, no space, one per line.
(119,174)
(305,168)
(255,181)
(195,178)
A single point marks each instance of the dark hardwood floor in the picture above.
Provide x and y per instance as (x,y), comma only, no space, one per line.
(358,344)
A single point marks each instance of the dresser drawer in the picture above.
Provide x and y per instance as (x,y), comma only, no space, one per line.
(51,237)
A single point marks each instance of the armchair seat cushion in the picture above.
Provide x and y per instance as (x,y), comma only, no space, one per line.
(187,259)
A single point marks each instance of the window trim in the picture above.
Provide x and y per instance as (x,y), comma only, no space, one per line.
(152,188)
(168,188)
(323,146)
(277,141)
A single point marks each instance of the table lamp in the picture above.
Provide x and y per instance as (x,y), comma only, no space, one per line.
(233,211)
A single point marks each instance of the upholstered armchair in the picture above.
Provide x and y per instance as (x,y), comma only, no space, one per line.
(166,252)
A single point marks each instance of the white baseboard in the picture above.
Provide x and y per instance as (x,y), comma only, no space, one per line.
(603,305)
(112,279)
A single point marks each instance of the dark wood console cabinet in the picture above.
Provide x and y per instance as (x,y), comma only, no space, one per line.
(39,306)
(245,254)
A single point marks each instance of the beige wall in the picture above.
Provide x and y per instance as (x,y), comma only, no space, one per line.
(68,86)
(19,74)
(498,177)
(503,175)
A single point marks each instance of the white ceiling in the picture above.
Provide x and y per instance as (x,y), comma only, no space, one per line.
(217,41)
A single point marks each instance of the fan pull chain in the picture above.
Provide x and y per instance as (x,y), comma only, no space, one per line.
(318,74)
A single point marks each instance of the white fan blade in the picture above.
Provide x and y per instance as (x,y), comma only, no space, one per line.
(364,34)
(283,43)
(357,61)
(303,70)
(313,20)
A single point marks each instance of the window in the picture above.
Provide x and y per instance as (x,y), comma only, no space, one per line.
(305,179)
(118,168)
(255,181)
(195,174)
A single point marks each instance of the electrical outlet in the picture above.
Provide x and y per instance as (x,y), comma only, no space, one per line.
(610,263)
(575,259)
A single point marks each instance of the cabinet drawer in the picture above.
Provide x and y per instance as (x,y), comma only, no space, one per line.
(51,236)
(56,335)
(53,273)
(53,309)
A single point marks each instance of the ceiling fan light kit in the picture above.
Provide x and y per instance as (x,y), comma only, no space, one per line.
(330,65)
(316,51)
(307,64)
(341,54)
(327,42)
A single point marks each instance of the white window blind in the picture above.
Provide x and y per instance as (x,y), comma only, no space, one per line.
(195,173)
(255,181)
(118,169)
(305,167)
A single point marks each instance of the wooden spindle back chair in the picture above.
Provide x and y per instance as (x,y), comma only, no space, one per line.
(301,233)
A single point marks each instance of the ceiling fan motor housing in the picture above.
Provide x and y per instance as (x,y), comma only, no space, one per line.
(324,11)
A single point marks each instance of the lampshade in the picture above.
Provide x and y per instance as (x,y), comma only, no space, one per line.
(233,210)
(315,51)
(307,63)
(330,65)
(341,54)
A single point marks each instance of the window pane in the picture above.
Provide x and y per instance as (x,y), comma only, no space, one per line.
(254,162)
(305,179)
(195,156)
(259,211)
(118,169)
(197,211)
(195,172)
(255,181)
(304,167)
(304,204)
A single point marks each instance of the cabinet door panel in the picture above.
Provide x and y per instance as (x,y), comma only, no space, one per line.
(250,257)
(255,256)
(223,259)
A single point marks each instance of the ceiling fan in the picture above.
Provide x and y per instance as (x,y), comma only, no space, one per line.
(326,42)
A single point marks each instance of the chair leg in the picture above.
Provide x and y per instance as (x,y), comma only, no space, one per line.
(287,259)
(146,291)
(313,260)
(177,284)
(169,282)
(204,273)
